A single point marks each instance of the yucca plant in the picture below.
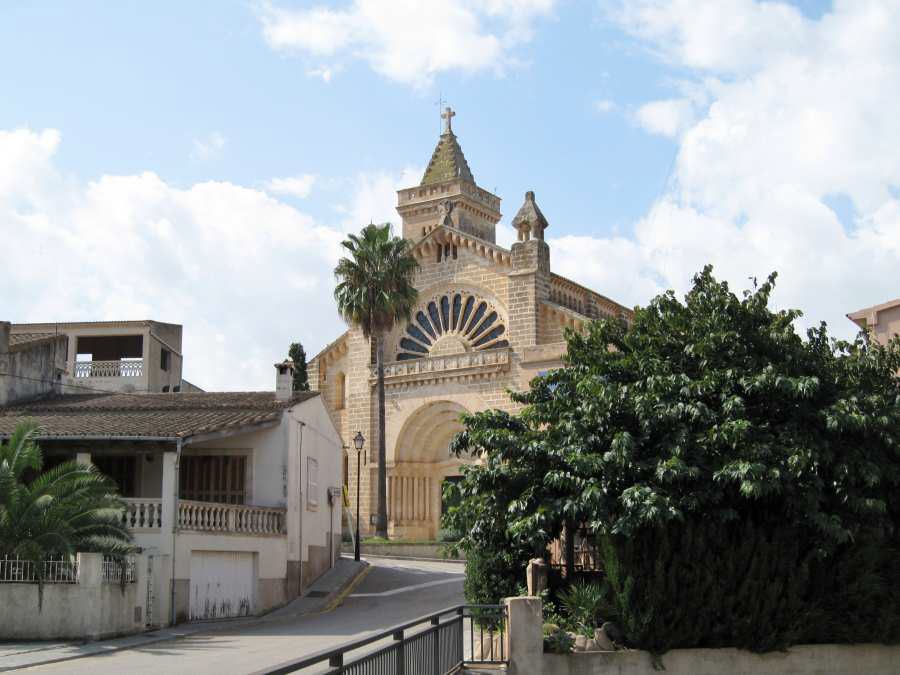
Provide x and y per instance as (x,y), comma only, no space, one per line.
(68,509)
(587,605)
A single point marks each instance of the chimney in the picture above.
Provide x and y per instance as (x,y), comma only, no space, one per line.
(284,380)
(4,336)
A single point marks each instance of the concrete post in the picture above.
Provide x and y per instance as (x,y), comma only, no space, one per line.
(90,579)
(167,517)
(141,579)
(525,636)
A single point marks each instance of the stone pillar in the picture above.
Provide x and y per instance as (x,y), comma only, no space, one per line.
(536,576)
(529,283)
(167,517)
(525,636)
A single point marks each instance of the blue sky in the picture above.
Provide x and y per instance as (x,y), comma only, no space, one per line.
(130,85)
(657,134)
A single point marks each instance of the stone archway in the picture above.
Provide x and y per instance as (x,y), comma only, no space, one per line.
(422,461)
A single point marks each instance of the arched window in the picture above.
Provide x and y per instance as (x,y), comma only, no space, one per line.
(470,318)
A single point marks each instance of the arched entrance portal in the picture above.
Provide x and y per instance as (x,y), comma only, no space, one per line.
(422,462)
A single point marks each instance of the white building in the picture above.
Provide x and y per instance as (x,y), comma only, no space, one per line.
(125,356)
(235,497)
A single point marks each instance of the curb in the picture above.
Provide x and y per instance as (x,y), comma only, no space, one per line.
(458,561)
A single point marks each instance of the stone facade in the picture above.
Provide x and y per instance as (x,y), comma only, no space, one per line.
(489,319)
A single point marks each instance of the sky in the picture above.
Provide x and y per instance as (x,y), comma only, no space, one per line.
(199,163)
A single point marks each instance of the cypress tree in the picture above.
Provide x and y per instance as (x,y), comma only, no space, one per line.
(297,354)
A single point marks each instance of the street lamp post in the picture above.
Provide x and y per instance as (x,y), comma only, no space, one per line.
(358,442)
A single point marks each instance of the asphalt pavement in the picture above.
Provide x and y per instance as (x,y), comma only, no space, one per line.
(393,592)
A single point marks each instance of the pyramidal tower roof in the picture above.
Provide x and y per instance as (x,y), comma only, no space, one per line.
(447,160)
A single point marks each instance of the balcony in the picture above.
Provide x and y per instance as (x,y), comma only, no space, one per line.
(145,515)
(118,368)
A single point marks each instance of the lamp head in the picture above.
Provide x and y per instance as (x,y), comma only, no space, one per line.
(359,441)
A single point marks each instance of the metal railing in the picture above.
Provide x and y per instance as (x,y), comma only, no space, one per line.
(14,570)
(114,570)
(436,644)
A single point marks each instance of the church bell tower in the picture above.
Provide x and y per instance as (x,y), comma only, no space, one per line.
(448,194)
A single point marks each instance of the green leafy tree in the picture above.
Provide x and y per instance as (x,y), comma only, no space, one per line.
(297,354)
(741,479)
(68,509)
(374,291)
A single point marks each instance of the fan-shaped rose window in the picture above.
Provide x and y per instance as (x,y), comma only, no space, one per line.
(453,322)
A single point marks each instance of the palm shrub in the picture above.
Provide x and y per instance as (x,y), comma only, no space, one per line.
(373,292)
(587,605)
(742,479)
(67,509)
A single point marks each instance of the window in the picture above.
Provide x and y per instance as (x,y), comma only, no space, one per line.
(213,478)
(120,469)
(165,389)
(165,359)
(312,484)
(340,392)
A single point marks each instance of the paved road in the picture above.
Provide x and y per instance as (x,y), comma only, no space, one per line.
(394,591)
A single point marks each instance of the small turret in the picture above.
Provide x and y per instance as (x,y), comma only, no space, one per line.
(529,220)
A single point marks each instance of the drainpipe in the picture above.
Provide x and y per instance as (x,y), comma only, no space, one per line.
(175,529)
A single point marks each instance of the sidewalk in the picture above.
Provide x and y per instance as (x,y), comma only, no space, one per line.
(326,593)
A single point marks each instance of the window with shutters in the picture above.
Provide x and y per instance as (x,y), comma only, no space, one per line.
(213,478)
(312,484)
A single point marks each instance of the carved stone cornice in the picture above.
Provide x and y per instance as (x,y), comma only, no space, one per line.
(465,366)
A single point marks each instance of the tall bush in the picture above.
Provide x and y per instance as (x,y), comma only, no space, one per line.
(742,479)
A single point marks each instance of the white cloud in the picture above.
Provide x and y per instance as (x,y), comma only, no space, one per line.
(243,272)
(409,41)
(375,198)
(296,186)
(797,111)
(326,73)
(209,147)
(604,106)
(667,118)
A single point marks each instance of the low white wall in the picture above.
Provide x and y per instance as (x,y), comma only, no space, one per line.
(525,645)
(90,609)
(799,660)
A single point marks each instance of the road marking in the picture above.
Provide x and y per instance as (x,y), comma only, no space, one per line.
(404,589)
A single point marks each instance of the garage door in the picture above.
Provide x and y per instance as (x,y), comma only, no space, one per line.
(223,584)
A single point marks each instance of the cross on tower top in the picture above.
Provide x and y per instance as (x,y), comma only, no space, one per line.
(447,115)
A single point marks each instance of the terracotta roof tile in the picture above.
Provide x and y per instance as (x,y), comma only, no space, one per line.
(156,415)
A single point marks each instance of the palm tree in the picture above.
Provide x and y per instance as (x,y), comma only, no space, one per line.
(68,509)
(374,291)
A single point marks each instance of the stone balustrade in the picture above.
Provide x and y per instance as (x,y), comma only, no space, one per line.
(454,366)
(230,518)
(118,368)
(142,513)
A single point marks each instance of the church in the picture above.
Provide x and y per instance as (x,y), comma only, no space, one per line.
(488,320)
